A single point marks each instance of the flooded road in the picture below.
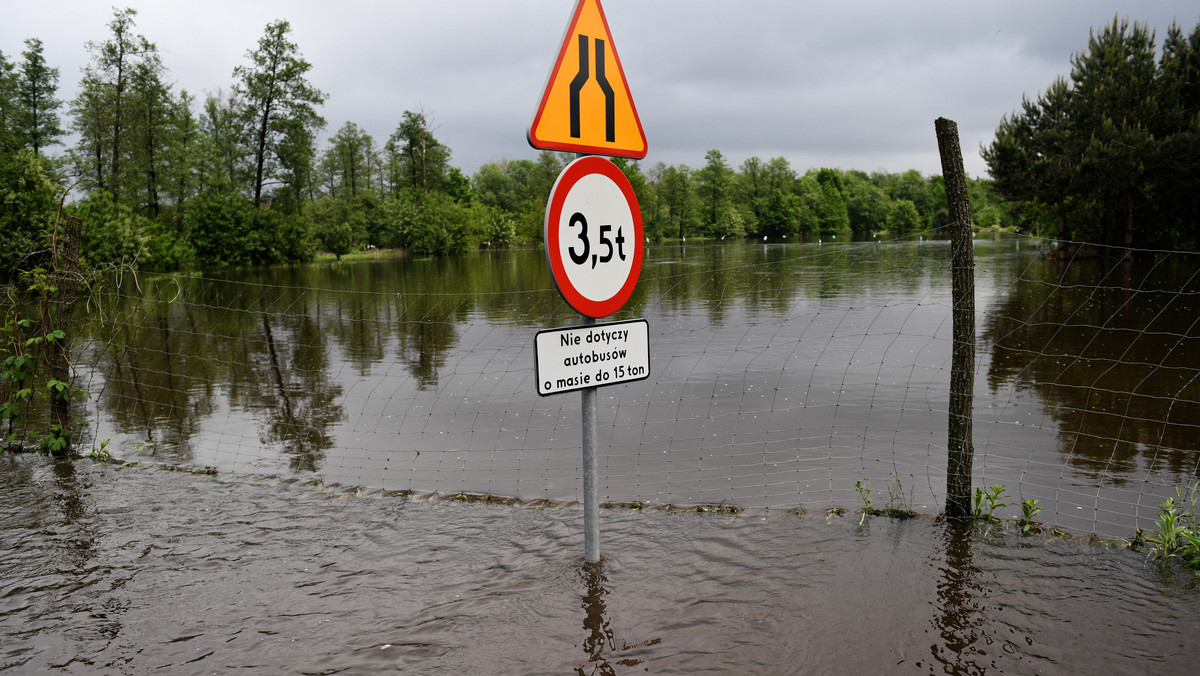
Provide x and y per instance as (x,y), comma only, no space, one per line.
(111,570)
(780,374)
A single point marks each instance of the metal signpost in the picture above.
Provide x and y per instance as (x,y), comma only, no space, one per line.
(593,233)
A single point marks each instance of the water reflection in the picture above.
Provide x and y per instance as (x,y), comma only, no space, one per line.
(598,641)
(959,617)
(298,401)
(814,360)
(1109,350)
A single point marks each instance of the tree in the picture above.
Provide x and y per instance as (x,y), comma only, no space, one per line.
(416,158)
(37,85)
(28,198)
(712,184)
(867,206)
(1115,97)
(277,110)
(150,131)
(8,106)
(676,190)
(224,160)
(832,212)
(1111,153)
(778,217)
(101,110)
(1179,75)
(349,161)
(904,219)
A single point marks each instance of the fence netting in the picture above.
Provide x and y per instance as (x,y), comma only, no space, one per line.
(781,375)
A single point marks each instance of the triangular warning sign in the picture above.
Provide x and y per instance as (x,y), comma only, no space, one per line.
(587,107)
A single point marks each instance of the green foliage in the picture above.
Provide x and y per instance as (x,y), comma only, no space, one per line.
(278,109)
(227,229)
(1177,531)
(113,233)
(904,219)
(1029,509)
(27,207)
(988,500)
(27,384)
(101,454)
(1108,155)
(899,504)
(778,216)
(434,224)
(37,84)
(864,494)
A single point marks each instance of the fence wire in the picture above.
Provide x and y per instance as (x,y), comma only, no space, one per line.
(781,375)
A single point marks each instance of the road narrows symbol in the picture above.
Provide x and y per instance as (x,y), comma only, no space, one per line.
(569,115)
(581,79)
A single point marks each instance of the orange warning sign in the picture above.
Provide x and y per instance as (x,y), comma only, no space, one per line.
(587,107)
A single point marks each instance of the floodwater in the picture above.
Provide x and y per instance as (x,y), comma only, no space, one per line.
(343,407)
(781,374)
(111,570)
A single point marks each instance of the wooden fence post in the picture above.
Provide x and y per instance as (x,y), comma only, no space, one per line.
(960,446)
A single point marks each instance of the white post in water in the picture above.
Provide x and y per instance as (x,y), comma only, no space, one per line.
(591,469)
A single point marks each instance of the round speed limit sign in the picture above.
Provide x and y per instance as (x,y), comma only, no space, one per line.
(594,236)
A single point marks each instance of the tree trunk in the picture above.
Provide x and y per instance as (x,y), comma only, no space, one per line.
(960,448)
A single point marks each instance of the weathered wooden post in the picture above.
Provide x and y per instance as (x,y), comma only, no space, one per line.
(961,450)
(65,272)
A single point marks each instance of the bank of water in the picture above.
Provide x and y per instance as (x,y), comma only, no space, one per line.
(105,569)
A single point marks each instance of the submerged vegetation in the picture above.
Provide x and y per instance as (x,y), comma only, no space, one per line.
(1176,534)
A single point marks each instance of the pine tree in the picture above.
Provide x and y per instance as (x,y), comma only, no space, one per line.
(37,85)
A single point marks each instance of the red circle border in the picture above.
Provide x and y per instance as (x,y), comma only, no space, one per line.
(575,171)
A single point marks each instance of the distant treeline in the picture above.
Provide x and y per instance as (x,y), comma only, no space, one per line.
(164,181)
(1112,154)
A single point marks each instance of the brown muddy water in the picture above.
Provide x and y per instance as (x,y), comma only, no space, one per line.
(780,374)
(112,570)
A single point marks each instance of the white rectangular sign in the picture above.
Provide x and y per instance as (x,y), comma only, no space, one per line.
(577,357)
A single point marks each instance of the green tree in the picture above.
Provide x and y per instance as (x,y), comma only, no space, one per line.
(37,88)
(750,185)
(1030,158)
(223,156)
(150,132)
(1116,101)
(676,190)
(1110,154)
(102,110)
(1179,76)
(348,162)
(904,219)
(779,216)
(278,111)
(713,186)
(415,158)
(867,206)
(833,215)
(8,106)
(27,195)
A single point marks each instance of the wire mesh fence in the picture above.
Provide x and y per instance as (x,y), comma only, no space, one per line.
(781,375)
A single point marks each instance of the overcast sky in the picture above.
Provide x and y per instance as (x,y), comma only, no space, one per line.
(853,85)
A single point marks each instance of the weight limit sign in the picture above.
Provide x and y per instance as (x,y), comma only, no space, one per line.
(594,239)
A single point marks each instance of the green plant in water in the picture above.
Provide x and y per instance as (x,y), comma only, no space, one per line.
(1177,532)
(101,454)
(32,369)
(899,504)
(1029,509)
(988,500)
(864,493)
